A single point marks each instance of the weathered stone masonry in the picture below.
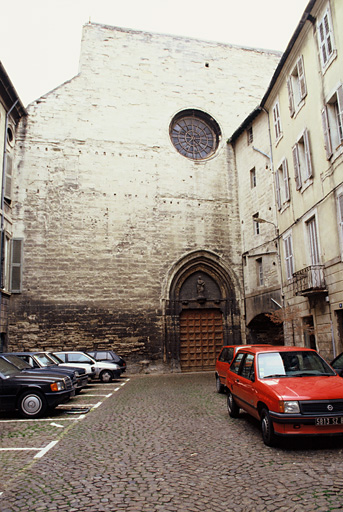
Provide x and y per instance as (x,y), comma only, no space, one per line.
(110,212)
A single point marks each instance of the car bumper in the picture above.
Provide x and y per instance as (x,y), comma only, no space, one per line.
(82,382)
(59,397)
(298,424)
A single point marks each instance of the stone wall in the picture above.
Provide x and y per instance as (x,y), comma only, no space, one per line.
(106,205)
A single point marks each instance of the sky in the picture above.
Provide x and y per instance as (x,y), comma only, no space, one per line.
(40,39)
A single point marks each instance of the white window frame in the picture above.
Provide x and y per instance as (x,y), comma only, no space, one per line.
(311,232)
(282,184)
(332,121)
(259,269)
(253,181)
(302,161)
(326,40)
(277,121)
(256,225)
(289,257)
(339,199)
(296,85)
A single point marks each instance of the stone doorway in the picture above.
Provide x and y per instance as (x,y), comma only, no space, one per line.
(201,338)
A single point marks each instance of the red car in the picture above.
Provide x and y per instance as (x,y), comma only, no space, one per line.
(223,362)
(291,390)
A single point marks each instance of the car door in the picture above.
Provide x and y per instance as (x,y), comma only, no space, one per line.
(223,363)
(243,388)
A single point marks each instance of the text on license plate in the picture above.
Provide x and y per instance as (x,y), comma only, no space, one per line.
(329,421)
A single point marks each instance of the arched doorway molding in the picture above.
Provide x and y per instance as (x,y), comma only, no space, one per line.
(181,292)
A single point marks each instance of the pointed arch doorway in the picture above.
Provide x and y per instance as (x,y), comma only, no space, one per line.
(202,313)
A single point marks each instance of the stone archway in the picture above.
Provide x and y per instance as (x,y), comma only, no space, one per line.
(201,313)
(261,329)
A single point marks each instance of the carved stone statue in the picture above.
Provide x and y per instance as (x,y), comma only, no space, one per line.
(200,286)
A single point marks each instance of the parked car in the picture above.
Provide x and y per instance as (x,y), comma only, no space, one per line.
(291,390)
(337,364)
(223,362)
(42,360)
(106,372)
(31,394)
(108,356)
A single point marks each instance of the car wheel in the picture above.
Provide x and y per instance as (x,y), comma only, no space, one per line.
(219,385)
(232,407)
(32,404)
(268,435)
(106,376)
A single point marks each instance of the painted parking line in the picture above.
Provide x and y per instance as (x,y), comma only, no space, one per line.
(39,455)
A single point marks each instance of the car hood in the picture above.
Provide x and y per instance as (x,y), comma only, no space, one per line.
(29,378)
(306,388)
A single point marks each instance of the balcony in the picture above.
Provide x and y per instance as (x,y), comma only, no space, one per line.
(309,281)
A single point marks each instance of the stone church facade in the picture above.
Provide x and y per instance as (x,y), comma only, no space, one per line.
(125,201)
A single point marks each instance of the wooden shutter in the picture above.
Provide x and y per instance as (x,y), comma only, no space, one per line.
(290,97)
(286,179)
(301,77)
(277,189)
(327,136)
(340,112)
(16,265)
(307,154)
(297,174)
(8,177)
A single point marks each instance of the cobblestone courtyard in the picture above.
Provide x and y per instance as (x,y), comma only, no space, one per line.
(164,444)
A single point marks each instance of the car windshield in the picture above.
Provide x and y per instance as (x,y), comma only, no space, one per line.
(292,364)
(44,360)
(7,369)
(19,363)
(55,358)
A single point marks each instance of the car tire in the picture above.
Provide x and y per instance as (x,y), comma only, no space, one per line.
(268,435)
(219,385)
(106,376)
(32,404)
(232,407)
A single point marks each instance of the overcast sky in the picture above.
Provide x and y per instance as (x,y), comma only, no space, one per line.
(40,39)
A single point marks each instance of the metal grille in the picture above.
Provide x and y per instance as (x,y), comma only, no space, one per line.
(201,339)
(321,407)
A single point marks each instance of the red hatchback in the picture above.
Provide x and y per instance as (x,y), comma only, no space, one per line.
(291,390)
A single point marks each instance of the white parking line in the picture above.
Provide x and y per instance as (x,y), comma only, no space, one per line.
(45,450)
(42,419)
(41,451)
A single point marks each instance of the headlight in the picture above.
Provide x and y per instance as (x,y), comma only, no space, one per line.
(57,386)
(290,407)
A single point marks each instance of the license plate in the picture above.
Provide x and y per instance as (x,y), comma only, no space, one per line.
(329,421)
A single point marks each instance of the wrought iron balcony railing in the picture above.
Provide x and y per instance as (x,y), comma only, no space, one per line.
(309,280)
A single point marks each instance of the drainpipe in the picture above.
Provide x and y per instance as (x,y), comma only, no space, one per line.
(3,204)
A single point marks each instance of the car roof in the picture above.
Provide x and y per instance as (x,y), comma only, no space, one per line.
(255,349)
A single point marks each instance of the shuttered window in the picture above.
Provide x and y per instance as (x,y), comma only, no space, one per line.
(313,241)
(302,160)
(277,121)
(325,38)
(8,177)
(288,245)
(16,265)
(282,184)
(296,85)
(332,121)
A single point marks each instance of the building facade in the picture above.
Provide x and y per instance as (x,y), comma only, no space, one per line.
(259,233)
(305,106)
(126,201)
(11,111)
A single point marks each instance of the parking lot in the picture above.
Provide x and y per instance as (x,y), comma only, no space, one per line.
(160,443)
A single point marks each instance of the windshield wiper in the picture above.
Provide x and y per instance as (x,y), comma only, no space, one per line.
(274,375)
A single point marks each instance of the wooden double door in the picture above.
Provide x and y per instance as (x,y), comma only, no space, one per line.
(201,338)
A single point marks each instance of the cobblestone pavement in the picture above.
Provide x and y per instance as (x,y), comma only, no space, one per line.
(166,444)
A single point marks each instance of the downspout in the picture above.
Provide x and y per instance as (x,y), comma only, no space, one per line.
(3,204)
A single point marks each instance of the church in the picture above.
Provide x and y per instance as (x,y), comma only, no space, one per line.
(125,201)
